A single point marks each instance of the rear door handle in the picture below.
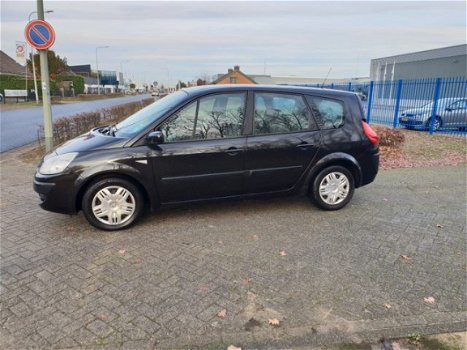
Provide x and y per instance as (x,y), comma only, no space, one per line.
(233,151)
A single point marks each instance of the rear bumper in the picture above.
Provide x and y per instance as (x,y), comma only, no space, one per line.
(370,166)
(55,193)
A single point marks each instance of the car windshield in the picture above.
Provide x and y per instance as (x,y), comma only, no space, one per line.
(441,103)
(139,121)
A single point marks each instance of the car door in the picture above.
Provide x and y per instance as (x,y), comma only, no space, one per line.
(455,114)
(283,143)
(203,153)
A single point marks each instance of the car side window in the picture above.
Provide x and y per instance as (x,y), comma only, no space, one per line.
(211,117)
(181,125)
(329,113)
(280,113)
(221,116)
(462,104)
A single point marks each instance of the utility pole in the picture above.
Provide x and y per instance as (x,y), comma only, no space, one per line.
(46,104)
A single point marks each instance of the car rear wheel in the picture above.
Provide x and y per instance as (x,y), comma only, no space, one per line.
(112,204)
(333,188)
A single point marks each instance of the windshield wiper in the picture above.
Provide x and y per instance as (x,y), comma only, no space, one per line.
(113,129)
(109,130)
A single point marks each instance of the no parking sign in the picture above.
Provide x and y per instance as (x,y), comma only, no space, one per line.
(39,34)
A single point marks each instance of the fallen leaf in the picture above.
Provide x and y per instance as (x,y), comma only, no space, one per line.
(439,226)
(103,317)
(429,300)
(406,258)
(282,253)
(121,251)
(387,306)
(203,288)
(211,226)
(385,199)
(274,322)
(222,313)
(254,237)
(247,280)
(233,347)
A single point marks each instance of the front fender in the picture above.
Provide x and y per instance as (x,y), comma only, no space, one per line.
(116,169)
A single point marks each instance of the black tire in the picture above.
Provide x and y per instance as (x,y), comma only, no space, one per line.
(135,199)
(438,124)
(315,193)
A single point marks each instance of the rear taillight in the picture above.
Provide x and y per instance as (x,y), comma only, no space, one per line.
(370,133)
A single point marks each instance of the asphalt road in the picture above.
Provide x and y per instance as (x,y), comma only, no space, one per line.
(19,126)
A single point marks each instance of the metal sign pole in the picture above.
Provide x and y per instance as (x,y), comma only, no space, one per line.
(46,104)
(34,75)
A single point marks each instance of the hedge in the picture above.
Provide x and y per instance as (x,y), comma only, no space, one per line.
(15,82)
(78,82)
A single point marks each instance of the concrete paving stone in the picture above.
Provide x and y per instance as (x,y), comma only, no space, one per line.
(181,266)
(100,328)
(51,333)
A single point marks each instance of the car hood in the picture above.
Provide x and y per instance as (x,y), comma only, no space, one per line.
(422,110)
(91,141)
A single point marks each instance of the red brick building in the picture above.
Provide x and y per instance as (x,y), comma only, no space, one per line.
(234,76)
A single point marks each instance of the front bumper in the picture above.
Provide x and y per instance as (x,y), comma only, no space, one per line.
(411,121)
(56,193)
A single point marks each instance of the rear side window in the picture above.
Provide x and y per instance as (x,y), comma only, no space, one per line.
(280,113)
(329,113)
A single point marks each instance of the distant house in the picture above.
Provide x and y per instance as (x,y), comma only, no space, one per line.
(234,76)
(8,66)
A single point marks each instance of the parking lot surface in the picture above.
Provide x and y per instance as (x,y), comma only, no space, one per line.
(327,277)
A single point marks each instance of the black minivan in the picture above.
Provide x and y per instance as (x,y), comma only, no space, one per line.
(213,142)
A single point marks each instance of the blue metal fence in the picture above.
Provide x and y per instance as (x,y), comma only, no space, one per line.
(434,105)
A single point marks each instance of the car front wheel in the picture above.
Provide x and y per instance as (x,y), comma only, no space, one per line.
(437,124)
(333,188)
(112,204)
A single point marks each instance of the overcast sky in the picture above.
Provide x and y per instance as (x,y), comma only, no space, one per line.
(184,40)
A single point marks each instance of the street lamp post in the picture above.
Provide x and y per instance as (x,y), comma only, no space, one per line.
(32,59)
(97,69)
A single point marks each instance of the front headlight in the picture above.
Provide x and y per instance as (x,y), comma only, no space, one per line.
(55,165)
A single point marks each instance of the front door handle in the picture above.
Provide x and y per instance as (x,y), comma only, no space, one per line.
(305,145)
(233,151)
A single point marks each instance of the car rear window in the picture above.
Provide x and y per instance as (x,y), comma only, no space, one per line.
(280,113)
(329,113)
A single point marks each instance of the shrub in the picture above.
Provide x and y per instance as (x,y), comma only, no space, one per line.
(389,137)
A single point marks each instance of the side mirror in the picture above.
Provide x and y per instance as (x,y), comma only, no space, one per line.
(155,138)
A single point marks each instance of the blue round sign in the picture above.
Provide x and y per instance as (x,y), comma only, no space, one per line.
(39,34)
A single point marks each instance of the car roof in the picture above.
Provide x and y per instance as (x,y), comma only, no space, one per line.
(201,90)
